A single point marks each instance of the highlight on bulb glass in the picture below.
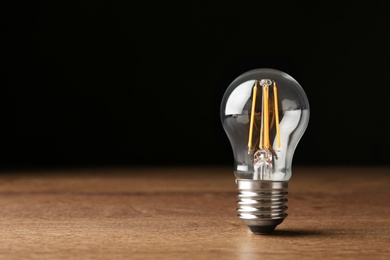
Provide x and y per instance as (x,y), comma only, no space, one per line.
(264,113)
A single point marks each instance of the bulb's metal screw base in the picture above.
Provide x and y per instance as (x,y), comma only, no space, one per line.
(261,204)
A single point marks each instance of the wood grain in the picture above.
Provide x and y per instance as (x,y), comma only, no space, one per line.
(189,213)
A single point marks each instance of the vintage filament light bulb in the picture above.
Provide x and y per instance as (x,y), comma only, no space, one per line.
(264,113)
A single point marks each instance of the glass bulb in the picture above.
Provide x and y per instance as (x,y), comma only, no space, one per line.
(264,113)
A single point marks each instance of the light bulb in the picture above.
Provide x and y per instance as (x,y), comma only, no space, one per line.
(264,113)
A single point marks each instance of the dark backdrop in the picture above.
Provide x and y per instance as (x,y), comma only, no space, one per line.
(96,83)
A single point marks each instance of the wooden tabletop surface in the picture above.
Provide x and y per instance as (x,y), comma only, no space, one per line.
(189,213)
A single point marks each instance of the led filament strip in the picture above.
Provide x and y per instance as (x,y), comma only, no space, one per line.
(264,142)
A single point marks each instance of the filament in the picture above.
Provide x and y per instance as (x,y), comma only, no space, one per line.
(276,113)
(261,121)
(252,116)
(268,106)
(265,117)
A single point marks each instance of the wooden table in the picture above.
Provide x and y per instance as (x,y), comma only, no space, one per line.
(189,213)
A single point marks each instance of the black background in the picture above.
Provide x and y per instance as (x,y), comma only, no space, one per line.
(100,83)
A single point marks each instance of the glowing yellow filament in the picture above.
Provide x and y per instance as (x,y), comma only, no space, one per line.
(261,129)
(266,117)
(276,112)
(252,115)
(264,135)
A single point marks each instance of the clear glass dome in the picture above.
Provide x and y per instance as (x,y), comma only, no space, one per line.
(264,113)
